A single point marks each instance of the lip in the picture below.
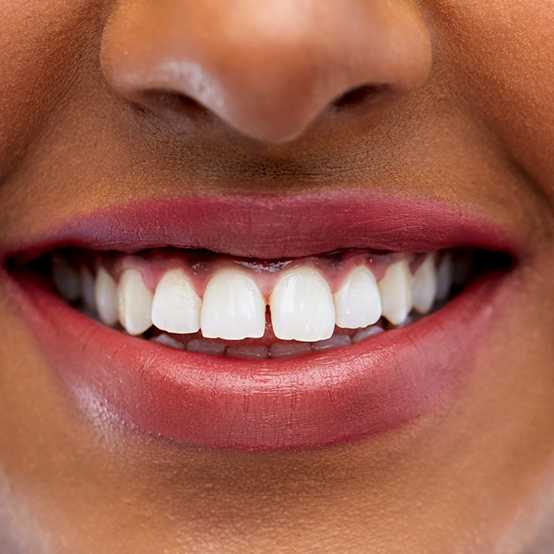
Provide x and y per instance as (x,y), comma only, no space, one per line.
(275,227)
(333,397)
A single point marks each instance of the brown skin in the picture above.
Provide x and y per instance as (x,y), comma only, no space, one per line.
(466,117)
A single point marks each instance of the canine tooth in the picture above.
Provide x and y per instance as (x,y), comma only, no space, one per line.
(366,333)
(445,275)
(87,288)
(105,296)
(135,302)
(250,352)
(176,306)
(302,306)
(424,286)
(66,278)
(358,302)
(396,292)
(206,347)
(168,341)
(334,342)
(233,307)
(283,350)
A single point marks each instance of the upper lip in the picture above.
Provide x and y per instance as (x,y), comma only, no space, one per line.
(272,227)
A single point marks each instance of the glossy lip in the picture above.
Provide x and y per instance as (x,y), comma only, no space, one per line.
(310,401)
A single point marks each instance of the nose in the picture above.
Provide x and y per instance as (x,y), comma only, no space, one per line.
(267,68)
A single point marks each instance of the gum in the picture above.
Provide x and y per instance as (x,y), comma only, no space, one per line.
(200,266)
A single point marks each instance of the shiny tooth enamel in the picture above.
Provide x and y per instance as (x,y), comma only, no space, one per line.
(134,302)
(233,307)
(302,306)
(105,297)
(424,285)
(445,276)
(66,278)
(396,292)
(176,306)
(358,301)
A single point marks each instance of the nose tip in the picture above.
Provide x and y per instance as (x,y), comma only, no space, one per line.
(268,69)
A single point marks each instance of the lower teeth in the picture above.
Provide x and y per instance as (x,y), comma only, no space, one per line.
(277,350)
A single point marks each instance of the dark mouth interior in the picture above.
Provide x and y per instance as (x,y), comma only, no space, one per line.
(469,266)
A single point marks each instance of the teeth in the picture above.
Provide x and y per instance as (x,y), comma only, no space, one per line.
(302,306)
(358,302)
(424,285)
(366,333)
(333,342)
(445,275)
(233,307)
(87,288)
(396,292)
(206,347)
(252,352)
(105,296)
(135,302)
(66,278)
(168,341)
(176,306)
(287,350)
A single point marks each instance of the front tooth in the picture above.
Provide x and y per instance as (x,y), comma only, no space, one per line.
(176,306)
(66,278)
(445,276)
(233,307)
(358,302)
(424,285)
(135,302)
(396,292)
(105,296)
(302,306)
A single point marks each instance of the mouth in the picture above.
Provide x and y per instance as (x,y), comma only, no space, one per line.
(312,321)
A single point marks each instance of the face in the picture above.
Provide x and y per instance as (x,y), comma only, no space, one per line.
(226,233)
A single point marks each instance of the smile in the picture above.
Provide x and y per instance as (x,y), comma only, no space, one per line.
(187,320)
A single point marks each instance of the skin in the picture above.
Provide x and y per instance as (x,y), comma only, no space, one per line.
(465,117)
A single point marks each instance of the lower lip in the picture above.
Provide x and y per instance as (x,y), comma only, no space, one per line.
(334,397)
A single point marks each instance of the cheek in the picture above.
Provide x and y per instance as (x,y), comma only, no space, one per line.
(502,56)
(40,43)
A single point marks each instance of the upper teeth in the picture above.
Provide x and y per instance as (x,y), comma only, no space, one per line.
(134,302)
(302,304)
(302,307)
(358,302)
(176,306)
(233,307)
(396,292)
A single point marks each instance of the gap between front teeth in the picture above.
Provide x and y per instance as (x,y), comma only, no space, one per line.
(301,303)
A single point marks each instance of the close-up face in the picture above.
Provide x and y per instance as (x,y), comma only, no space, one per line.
(276,276)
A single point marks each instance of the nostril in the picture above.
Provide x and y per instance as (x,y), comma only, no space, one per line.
(170,100)
(360,95)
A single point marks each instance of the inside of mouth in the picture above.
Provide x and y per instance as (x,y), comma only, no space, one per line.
(198,301)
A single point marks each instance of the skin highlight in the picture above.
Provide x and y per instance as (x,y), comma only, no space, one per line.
(465,119)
